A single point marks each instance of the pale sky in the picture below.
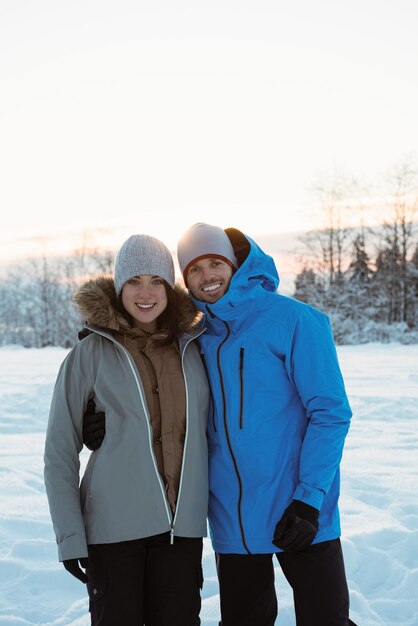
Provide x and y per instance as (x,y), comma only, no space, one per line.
(131,116)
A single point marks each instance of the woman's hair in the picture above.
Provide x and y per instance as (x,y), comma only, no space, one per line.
(168,320)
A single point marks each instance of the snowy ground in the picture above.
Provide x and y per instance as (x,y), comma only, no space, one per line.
(379,501)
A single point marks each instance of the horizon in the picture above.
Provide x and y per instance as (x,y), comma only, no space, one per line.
(287,249)
(281,246)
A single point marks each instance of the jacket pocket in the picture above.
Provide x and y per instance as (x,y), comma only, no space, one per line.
(241,388)
(96,585)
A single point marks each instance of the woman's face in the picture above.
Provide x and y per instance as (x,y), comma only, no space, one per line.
(144,297)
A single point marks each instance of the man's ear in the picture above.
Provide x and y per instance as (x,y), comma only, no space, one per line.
(239,243)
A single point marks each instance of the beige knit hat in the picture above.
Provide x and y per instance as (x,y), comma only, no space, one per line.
(202,241)
(143,254)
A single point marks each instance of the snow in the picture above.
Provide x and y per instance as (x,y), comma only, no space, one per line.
(379,503)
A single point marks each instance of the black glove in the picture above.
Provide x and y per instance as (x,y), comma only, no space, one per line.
(93,427)
(72,566)
(297,528)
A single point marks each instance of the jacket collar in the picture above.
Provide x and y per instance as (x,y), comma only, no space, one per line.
(97,303)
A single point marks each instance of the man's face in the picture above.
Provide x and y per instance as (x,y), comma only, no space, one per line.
(208,279)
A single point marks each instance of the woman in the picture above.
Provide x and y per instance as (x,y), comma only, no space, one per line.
(137,520)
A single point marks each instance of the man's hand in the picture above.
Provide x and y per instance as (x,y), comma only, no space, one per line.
(73,566)
(297,528)
(93,427)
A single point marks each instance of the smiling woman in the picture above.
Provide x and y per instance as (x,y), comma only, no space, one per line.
(137,524)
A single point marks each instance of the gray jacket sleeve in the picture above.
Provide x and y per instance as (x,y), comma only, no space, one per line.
(62,448)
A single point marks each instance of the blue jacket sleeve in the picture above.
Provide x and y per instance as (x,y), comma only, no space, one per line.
(316,374)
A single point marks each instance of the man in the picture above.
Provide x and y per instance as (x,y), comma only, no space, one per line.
(276,433)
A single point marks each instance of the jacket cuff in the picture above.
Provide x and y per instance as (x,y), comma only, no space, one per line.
(73,547)
(310,495)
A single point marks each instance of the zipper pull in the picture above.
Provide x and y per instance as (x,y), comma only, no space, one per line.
(171,535)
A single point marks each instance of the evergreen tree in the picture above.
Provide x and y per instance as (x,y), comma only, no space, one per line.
(359,270)
(308,288)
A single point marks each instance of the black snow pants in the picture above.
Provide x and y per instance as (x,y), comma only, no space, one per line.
(316,575)
(146,581)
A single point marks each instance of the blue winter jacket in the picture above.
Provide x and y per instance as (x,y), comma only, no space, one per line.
(280,412)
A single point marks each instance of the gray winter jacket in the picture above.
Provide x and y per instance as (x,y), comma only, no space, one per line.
(121,495)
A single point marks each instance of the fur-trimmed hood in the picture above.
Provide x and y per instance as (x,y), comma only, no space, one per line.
(97,303)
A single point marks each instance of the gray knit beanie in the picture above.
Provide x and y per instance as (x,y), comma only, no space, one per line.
(143,254)
(202,241)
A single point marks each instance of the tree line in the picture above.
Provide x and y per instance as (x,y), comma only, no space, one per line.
(365,278)
(36,309)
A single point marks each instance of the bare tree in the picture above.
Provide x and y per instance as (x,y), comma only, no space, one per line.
(36,305)
(340,205)
(398,237)
(88,258)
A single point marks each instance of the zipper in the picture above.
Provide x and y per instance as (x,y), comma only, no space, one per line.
(184,447)
(241,388)
(186,440)
(144,406)
(228,439)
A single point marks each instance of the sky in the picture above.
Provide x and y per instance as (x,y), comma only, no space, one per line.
(379,510)
(134,116)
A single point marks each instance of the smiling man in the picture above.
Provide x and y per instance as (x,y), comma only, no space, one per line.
(276,434)
(209,278)
(208,275)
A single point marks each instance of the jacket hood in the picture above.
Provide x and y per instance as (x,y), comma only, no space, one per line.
(254,263)
(98,305)
(255,275)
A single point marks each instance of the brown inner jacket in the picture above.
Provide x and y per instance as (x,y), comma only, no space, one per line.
(162,378)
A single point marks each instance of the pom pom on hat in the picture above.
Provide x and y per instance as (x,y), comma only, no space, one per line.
(201,241)
(143,254)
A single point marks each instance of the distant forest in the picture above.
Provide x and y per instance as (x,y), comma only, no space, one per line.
(364,278)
